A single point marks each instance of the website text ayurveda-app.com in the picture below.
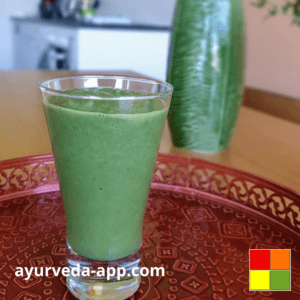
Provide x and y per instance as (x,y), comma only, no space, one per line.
(108,273)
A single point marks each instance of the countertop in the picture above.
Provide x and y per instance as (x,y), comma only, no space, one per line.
(263,145)
(77,24)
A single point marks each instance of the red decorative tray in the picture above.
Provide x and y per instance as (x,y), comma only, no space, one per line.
(201,221)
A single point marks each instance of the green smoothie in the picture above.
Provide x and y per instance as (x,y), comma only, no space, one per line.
(105,152)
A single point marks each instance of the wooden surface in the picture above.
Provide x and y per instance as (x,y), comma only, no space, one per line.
(263,144)
(273,104)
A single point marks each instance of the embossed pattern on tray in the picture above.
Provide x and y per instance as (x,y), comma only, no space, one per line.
(200,222)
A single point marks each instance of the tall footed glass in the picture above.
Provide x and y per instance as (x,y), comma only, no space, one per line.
(105,132)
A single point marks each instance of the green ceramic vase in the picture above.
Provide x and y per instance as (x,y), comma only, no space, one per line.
(206,64)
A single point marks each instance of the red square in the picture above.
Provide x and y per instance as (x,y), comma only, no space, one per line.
(259,259)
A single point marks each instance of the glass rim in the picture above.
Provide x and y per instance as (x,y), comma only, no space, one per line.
(44,88)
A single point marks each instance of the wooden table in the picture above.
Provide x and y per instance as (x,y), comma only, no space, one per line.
(263,145)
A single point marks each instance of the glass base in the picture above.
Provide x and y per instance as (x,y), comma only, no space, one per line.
(97,280)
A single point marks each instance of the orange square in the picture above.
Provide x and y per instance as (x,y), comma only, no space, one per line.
(280,259)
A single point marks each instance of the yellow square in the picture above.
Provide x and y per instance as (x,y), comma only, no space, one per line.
(259,280)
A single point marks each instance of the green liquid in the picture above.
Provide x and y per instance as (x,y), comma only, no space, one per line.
(105,152)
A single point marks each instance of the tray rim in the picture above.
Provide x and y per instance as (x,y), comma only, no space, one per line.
(274,200)
(14,162)
(225,201)
(235,171)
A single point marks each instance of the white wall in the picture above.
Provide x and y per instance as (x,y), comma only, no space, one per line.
(157,12)
(272,46)
(272,50)
(8,9)
(141,11)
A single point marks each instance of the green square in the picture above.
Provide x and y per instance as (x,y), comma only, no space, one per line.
(280,280)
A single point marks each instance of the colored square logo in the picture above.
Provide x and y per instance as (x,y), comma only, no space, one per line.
(269,270)
(259,259)
(280,280)
(259,280)
(280,259)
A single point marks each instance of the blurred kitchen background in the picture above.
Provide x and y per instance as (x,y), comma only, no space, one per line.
(134,35)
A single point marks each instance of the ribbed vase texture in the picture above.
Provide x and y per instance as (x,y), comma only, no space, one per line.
(206,64)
